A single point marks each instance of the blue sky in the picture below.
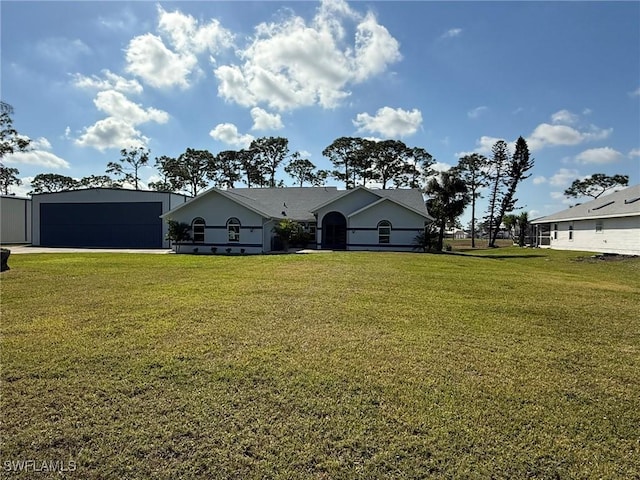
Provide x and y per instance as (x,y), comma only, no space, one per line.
(88,78)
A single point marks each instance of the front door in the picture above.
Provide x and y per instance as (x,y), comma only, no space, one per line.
(334,231)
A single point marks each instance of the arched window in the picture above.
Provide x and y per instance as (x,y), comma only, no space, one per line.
(197,227)
(233,229)
(384,231)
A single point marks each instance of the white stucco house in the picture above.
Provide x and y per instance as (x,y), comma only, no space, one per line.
(241,220)
(609,224)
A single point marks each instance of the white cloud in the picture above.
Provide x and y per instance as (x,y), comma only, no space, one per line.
(228,133)
(290,64)
(187,35)
(148,58)
(111,81)
(390,122)
(441,167)
(599,156)
(539,180)
(123,21)
(263,120)
(635,93)
(111,133)
(115,104)
(38,154)
(545,135)
(634,153)
(476,112)
(452,32)
(565,117)
(563,177)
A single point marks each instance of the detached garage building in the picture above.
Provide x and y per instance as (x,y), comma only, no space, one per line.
(102,218)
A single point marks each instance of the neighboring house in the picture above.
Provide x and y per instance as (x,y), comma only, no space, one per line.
(15,215)
(242,219)
(102,217)
(609,224)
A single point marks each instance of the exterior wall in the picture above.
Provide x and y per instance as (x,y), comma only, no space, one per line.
(362,229)
(15,215)
(216,209)
(347,204)
(618,235)
(102,195)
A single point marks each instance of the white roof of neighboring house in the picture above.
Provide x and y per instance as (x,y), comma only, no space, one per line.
(623,203)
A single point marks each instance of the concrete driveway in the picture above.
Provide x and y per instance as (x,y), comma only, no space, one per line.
(20,249)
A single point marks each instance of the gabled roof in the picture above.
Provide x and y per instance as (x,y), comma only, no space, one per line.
(290,202)
(623,203)
(406,197)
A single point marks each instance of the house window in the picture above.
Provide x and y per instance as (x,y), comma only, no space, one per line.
(197,227)
(312,229)
(570,232)
(384,231)
(233,229)
(555,231)
(599,226)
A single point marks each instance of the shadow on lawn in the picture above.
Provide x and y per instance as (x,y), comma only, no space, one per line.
(496,257)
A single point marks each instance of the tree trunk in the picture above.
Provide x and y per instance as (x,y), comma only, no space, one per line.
(473,222)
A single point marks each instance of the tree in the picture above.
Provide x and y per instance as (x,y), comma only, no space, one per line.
(495,174)
(130,163)
(510,222)
(225,170)
(284,230)
(448,199)
(97,181)
(343,153)
(192,170)
(178,232)
(253,173)
(8,178)
(522,222)
(171,180)
(269,153)
(595,185)
(521,162)
(389,160)
(473,170)
(301,169)
(416,170)
(52,182)
(10,142)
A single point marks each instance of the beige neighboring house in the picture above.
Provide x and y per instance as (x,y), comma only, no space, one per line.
(609,224)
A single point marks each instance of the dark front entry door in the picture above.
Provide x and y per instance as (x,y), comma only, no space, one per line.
(334,231)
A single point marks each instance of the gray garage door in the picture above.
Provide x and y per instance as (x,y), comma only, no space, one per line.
(107,225)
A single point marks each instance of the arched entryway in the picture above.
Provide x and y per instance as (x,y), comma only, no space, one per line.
(334,231)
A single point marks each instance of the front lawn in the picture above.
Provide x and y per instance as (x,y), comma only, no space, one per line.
(505,363)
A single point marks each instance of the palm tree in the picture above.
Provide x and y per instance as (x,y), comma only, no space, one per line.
(448,199)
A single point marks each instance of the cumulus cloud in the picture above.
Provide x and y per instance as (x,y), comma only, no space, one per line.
(39,153)
(115,104)
(539,180)
(149,58)
(110,81)
(563,177)
(564,117)
(228,133)
(600,156)
(290,64)
(263,120)
(390,122)
(111,132)
(546,135)
(634,153)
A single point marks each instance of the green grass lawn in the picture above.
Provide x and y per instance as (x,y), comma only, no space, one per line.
(507,363)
